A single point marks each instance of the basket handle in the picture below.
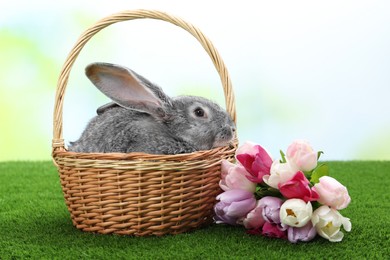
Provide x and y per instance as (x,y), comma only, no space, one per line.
(58,141)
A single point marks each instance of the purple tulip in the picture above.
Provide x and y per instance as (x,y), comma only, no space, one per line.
(271,208)
(305,233)
(233,205)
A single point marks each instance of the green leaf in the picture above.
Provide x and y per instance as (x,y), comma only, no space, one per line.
(308,174)
(321,170)
(315,205)
(283,157)
(319,154)
(263,190)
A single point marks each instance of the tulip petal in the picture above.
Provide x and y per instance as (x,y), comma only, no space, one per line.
(225,167)
(264,156)
(332,193)
(347,224)
(256,161)
(272,230)
(305,233)
(337,237)
(241,208)
(234,195)
(246,160)
(247,147)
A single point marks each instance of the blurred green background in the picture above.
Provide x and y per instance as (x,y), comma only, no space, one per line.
(309,70)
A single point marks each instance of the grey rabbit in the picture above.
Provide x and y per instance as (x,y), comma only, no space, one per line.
(142,118)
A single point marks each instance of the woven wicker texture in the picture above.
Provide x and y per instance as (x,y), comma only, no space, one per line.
(136,193)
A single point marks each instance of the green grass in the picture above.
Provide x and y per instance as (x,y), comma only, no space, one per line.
(34,223)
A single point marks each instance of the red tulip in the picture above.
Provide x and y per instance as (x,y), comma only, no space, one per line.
(298,188)
(256,161)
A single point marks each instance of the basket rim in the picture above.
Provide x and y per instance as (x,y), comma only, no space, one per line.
(194,156)
(58,141)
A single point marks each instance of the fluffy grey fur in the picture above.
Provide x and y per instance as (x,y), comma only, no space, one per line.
(143,118)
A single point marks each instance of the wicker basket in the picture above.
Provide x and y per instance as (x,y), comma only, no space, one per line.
(136,193)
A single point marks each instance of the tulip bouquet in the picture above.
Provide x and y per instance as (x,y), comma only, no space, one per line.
(291,198)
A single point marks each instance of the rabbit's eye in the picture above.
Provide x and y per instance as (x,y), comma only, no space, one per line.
(199,112)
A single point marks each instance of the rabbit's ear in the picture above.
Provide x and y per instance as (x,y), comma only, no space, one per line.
(128,89)
(106,107)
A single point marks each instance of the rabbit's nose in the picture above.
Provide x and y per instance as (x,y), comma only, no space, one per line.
(228,131)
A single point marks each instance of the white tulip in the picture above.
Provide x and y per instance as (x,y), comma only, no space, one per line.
(295,212)
(280,173)
(328,222)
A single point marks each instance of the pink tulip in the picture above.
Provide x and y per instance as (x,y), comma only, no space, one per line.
(256,161)
(305,233)
(254,219)
(272,230)
(298,187)
(332,193)
(234,177)
(302,155)
(255,232)
(233,205)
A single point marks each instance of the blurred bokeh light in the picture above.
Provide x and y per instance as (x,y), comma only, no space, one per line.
(300,69)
